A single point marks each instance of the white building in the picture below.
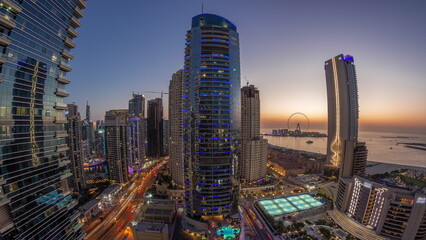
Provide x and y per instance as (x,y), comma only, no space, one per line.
(254,148)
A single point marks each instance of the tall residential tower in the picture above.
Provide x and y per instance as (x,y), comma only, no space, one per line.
(137,106)
(136,132)
(175,127)
(342,100)
(155,128)
(116,145)
(254,148)
(35,43)
(211,116)
(74,141)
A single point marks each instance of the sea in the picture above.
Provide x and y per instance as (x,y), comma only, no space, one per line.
(382,147)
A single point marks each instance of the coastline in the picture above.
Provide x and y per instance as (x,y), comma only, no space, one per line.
(373,167)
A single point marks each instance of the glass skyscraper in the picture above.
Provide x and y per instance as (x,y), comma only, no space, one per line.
(342,100)
(35,43)
(211,116)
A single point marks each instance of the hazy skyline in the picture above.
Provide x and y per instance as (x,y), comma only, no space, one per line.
(137,46)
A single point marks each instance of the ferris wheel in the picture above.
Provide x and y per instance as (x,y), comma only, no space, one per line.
(298,124)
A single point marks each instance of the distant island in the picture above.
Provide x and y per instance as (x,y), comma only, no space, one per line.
(296,133)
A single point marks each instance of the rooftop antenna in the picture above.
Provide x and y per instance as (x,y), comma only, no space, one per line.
(246,80)
(202,7)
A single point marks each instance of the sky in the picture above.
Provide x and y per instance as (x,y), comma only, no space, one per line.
(136,46)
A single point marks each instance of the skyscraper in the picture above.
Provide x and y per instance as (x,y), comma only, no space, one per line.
(88,133)
(35,39)
(211,116)
(116,145)
(137,106)
(155,128)
(356,152)
(175,127)
(136,132)
(87,111)
(254,148)
(165,131)
(74,141)
(136,143)
(99,142)
(342,96)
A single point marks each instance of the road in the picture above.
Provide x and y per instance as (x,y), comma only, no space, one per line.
(113,226)
(254,224)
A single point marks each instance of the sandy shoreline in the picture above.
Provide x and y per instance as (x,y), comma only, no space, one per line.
(373,167)
(380,167)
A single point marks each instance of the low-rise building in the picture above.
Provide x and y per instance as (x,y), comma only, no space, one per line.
(308,181)
(392,212)
(90,210)
(296,207)
(158,210)
(109,195)
(258,189)
(151,231)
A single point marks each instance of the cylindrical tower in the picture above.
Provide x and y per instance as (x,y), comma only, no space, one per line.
(211,115)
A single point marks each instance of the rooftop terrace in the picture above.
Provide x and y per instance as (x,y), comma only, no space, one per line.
(290,204)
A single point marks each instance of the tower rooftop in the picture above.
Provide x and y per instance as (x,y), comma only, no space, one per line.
(207,19)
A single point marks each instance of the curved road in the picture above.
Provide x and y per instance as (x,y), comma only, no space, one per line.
(114,225)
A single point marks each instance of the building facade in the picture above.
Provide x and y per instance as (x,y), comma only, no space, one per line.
(342,100)
(254,149)
(74,141)
(116,145)
(137,132)
(35,43)
(136,143)
(392,212)
(99,143)
(175,128)
(155,128)
(211,116)
(137,106)
(357,153)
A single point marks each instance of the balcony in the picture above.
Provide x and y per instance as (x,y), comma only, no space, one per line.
(78,226)
(72,33)
(64,66)
(61,134)
(3,198)
(61,92)
(13,6)
(74,22)
(7,21)
(3,58)
(4,40)
(66,174)
(81,236)
(60,106)
(78,13)
(73,203)
(60,120)
(82,4)
(62,148)
(75,216)
(64,162)
(66,54)
(63,80)
(69,43)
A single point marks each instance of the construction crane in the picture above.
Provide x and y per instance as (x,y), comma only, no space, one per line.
(247,81)
(157,92)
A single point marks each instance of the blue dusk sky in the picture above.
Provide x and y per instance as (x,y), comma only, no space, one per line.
(136,45)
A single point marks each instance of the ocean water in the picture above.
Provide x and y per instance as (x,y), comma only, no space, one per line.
(382,147)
